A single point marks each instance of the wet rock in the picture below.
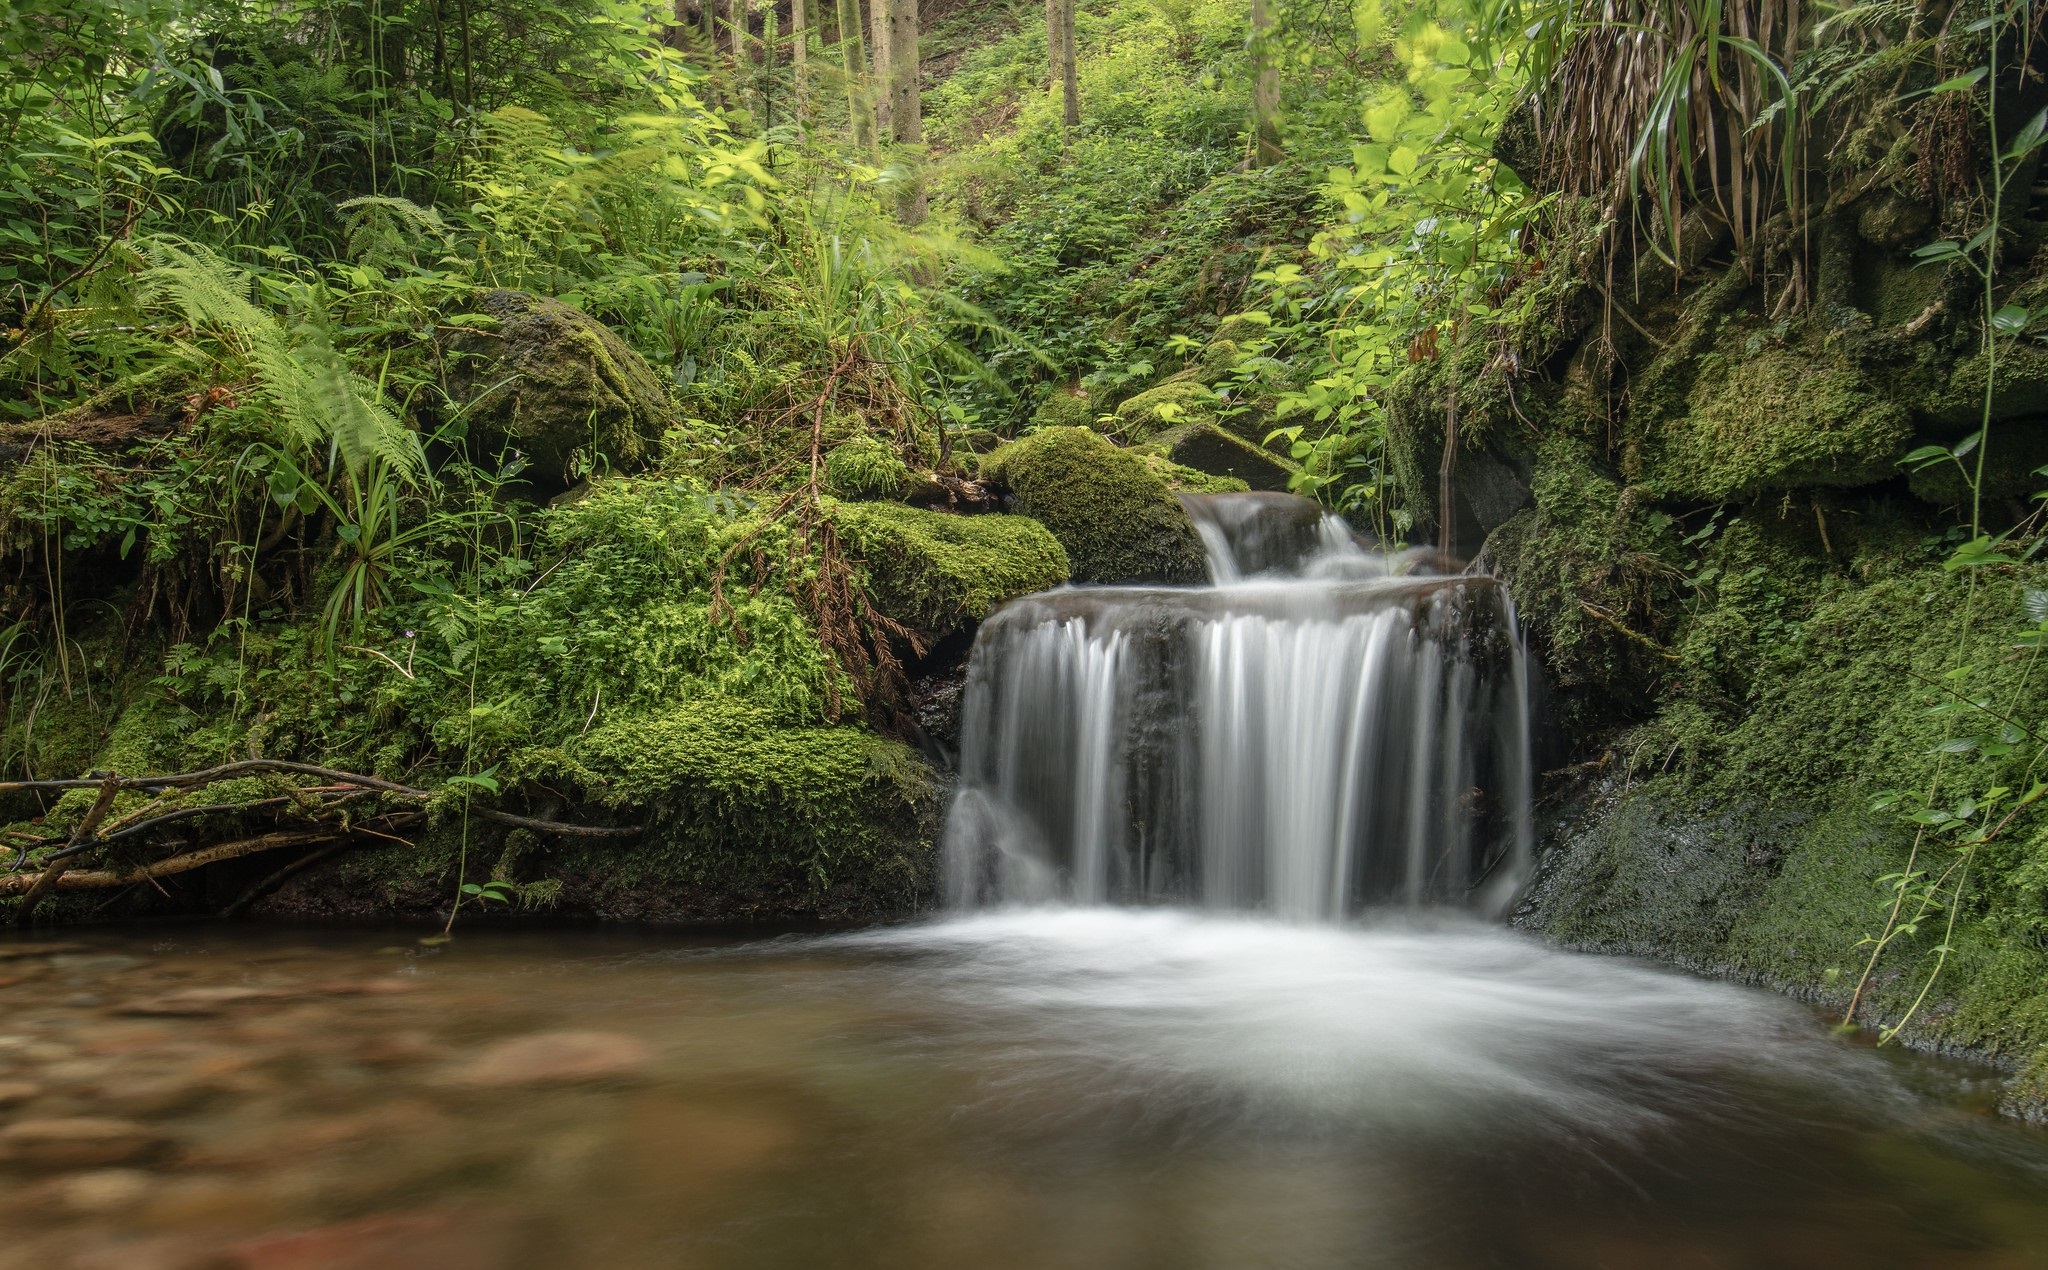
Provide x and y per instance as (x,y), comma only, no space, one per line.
(412,1241)
(102,1191)
(160,1096)
(555,1057)
(80,1142)
(198,1003)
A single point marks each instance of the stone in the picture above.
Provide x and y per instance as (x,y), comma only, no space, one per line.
(1208,448)
(81,1142)
(103,1191)
(547,1058)
(550,381)
(198,1003)
(935,571)
(1117,520)
(408,1241)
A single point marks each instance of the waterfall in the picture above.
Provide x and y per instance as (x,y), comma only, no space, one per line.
(1319,731)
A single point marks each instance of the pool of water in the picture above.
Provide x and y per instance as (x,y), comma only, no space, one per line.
(1063,1088)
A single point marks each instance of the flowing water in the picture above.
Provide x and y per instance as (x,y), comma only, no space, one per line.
(1218,993)
(1315,734)
(1009,1091)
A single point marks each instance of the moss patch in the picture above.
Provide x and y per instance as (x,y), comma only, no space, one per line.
(1118,521)
(1171,404)
(866,468)
(936,572)
(1208,448)
(1778,420)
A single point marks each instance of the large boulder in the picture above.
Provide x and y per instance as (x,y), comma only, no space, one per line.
(1118,520)
(937,571)
(1778,420)
(549,381)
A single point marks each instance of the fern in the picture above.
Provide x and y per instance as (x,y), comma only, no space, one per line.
(308,386)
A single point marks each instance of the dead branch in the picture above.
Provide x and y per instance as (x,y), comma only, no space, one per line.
(247,767)
(57,878)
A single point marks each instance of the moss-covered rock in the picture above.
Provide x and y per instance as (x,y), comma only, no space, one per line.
(1169,405)
(2021,392)
(1118,520)
(1207,448)
(935,571)
(2017,451)
(1781,419)
(1063,409)
(866,468)
(550,381)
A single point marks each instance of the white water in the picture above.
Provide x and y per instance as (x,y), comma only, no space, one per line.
(1448,1029)
(1314,734)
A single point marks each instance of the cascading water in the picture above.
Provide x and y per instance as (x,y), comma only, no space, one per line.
(1313,734)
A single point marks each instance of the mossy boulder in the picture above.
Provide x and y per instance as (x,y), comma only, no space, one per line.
(866,468)
(550,382)
(2021,391)
(1175,402)
(1781,419)
(1207,448)
(1118,520)
(1063,409)
(936,571)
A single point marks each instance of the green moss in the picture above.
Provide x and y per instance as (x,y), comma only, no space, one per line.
(866,468)
(1063,409)
(1781,419)
(550,381)
(777,817)
(1177,401)
(1207,448)
(935,571)
(1187,480)
(1241,329)
(2016,453)
(2021,393)
(1588,564)
(1118,521)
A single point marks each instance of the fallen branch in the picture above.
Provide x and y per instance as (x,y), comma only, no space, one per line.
(95,879)
(53,876)
(250,767)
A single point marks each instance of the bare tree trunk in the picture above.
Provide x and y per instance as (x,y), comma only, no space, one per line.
(881,20)
(906,95)
(800,58)
(853,60)
(1055,35)
(1265,89)
(767,64)
(1069,69)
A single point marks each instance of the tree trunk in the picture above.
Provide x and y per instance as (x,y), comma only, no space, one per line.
(853,60)
(800,58)
(768,64)
(1069,71)
(1055,36)
(906,96)
(881,22)
(1265,89)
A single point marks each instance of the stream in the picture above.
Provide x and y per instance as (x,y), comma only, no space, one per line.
(1017,1088)
(1221,984)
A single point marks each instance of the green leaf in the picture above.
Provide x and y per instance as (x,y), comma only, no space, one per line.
(1402,161)
(2010,320)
